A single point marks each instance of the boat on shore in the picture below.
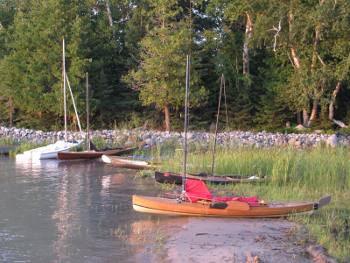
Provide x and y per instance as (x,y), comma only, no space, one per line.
(176,178)
(198,201)
(50,151)
(93,154)
(126,162)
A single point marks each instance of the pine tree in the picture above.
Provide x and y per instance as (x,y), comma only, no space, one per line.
(160,77)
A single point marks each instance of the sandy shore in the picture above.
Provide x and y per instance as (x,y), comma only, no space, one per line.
(209,240)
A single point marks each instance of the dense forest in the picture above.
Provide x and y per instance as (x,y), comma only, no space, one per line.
(282,61)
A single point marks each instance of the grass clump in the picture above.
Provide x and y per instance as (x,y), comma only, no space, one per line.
(8,141)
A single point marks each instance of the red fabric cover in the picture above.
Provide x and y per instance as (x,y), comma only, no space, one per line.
(197,190)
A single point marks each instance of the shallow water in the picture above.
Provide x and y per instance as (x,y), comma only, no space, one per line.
(69,211)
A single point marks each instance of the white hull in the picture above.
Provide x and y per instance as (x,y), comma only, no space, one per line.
(47,152)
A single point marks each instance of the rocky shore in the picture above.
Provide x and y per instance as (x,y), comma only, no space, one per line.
(128,137)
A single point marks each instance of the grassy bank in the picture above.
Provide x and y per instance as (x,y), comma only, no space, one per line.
(294,175)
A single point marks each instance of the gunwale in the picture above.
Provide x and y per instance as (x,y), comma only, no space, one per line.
(170,206)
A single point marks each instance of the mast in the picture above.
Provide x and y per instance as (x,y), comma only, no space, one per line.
(64,91)
(217,123)
(185,123)
(87,111)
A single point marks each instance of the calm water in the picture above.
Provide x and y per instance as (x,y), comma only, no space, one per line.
(66,211)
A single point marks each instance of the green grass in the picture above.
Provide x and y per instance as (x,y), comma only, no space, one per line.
(294,175)
(8,141)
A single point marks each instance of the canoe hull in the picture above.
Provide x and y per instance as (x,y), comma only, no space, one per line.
(176,178)
(78,155)
(91,154)
(48,151)
(125,162)
(234,208)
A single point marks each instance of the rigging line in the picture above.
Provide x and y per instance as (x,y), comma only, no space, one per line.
(217,123)
(185,125)
(87,111)
(227,125)
(75,108)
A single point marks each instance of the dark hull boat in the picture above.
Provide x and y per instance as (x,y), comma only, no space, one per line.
(94,153)
(176,178)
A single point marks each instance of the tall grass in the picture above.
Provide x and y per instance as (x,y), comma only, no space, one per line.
(294,175)
(8,141)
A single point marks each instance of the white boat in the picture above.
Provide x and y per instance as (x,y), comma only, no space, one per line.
(125,162)
(50,151)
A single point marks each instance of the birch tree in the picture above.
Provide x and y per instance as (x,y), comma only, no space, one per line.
(312,35)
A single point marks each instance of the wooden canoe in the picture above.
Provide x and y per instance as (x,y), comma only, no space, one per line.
(93,154)
(176,178)
(160,205)
(125,162)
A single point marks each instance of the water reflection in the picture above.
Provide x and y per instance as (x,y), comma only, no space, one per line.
(67,211)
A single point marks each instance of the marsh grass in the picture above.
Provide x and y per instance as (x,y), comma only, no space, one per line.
(293,175)
(8,141)
(27,145)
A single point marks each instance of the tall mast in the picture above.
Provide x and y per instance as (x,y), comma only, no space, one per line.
(185,123)
(64,91)
(217,124)
(87,111)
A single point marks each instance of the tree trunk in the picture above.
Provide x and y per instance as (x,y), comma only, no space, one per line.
(306,120)
(331,104)
(110,19)
(299,118)
(167,117)
(296,61)
(314,59)
(331,107)
(248,35)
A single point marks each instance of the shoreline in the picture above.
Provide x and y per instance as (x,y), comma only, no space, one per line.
(153,138)
(208,240)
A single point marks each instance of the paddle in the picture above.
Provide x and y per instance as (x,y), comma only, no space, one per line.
(322,202)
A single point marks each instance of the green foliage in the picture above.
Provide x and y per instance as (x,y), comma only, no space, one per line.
(143,44)
(272,115)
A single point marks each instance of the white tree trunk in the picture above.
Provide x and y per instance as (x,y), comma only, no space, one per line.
(110,19)
(167,117)
(248,35)
(331,107)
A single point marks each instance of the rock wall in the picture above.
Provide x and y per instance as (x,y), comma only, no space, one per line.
(127,137)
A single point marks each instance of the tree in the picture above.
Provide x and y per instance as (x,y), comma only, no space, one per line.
(104,45)
(160,77)
(32,71)
(312,36)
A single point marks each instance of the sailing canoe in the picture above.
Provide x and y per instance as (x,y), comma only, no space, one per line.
(176,178)
(198,201)
(125,162)
(49,151)
(93,154)
(206,208)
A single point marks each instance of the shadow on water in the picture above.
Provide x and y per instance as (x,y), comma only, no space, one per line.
(73,211)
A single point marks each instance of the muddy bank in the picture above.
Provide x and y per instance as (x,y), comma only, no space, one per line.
(209,240)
